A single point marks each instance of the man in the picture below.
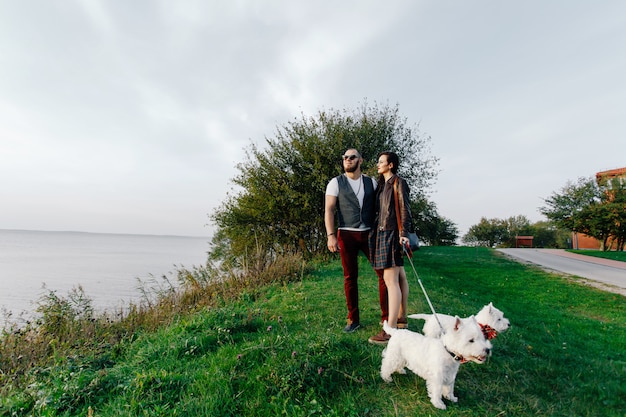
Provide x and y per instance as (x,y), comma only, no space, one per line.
(352,197)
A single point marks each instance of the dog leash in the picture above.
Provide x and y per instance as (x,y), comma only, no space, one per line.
(409,253)
(409,256)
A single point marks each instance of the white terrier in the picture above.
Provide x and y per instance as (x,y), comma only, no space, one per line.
(490,319)
(436,360)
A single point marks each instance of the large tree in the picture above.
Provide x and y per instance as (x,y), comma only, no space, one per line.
(278,204)
(607,219)
(596,208)
(616,199)
(564,207)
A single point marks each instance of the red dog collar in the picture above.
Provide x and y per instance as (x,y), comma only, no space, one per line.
(488,331)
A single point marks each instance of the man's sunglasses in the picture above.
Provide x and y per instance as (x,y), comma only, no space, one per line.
(349,157)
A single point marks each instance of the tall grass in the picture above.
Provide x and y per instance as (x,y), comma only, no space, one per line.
(68,326)
(278,349)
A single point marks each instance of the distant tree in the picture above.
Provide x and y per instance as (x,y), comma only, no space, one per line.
(498,232)
(488,232)
(279,203)
(517,226)
(446,232)
(547,235)
(433,229)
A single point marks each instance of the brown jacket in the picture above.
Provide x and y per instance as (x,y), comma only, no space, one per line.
(386,206)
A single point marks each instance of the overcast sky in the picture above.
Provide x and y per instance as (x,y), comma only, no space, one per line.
(130,116)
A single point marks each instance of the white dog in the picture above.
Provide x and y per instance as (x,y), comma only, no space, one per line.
(491,320)
(436,360)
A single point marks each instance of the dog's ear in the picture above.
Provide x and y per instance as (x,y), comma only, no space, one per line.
(490,306)
(457,323)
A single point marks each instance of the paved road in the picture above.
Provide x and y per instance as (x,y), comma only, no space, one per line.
(597,269)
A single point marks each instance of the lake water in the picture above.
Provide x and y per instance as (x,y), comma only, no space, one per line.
(107,266)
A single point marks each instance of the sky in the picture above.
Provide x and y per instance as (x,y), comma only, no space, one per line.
(131,116)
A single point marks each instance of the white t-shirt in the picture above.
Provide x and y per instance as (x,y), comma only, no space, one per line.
(357,186)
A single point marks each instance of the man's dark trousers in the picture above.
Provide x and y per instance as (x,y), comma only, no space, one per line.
(350,243)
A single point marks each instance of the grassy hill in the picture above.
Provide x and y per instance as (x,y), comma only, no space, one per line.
(280,350)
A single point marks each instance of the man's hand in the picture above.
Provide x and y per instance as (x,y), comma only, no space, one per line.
(333,244)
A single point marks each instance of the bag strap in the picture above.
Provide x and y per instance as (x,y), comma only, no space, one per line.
(395,195)
(407,249)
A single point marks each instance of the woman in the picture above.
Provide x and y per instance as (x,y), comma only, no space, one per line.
(389,241)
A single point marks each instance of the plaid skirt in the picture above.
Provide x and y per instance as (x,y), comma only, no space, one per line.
(385,249)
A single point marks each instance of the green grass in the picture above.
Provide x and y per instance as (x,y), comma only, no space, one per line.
(616,256)
(279,350)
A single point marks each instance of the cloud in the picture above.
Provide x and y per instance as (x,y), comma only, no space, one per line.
(147,107)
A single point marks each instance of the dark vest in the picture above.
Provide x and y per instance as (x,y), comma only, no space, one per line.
(348,204)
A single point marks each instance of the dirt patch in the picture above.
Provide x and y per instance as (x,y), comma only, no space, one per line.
(599,285)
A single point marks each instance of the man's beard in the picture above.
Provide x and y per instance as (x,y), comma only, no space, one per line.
(352,168)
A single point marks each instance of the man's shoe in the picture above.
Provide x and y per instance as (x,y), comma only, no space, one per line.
(351,327)
(380,339)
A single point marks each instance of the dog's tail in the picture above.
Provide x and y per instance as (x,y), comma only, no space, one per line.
(420,316)
(388,329)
